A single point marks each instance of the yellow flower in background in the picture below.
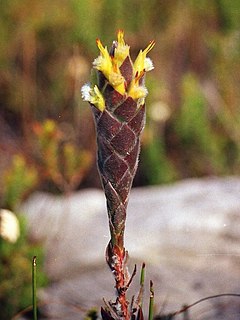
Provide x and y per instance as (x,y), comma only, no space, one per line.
(9,226)
(109,63)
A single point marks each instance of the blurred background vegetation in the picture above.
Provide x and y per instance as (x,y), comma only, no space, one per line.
(47,139)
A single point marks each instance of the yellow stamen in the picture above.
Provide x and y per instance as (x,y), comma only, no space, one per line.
(138,76)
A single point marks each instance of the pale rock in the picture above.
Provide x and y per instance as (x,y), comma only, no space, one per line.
(187,233)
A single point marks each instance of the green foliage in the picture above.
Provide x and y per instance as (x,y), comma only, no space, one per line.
(193,126)
(92,314)
(157,167)
(15,274)
(60,161)
(17,180)
(230,13)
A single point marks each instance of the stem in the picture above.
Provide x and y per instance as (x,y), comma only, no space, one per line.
(151,302)
(116,259)
(34,287)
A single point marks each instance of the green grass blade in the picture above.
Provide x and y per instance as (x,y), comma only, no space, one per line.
(151,302)
(142,276)
(34,287)
(141,291)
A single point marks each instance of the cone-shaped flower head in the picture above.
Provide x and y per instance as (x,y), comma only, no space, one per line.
(117,94)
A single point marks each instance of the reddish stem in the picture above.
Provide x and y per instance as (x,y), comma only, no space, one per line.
(116,257)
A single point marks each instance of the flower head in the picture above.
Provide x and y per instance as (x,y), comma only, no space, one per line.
(120,73)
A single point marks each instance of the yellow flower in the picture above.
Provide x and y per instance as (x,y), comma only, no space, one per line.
(140,66)
(94,96)
(103,62)
(109,64)
(9,226)
(122,50)
(142,63)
